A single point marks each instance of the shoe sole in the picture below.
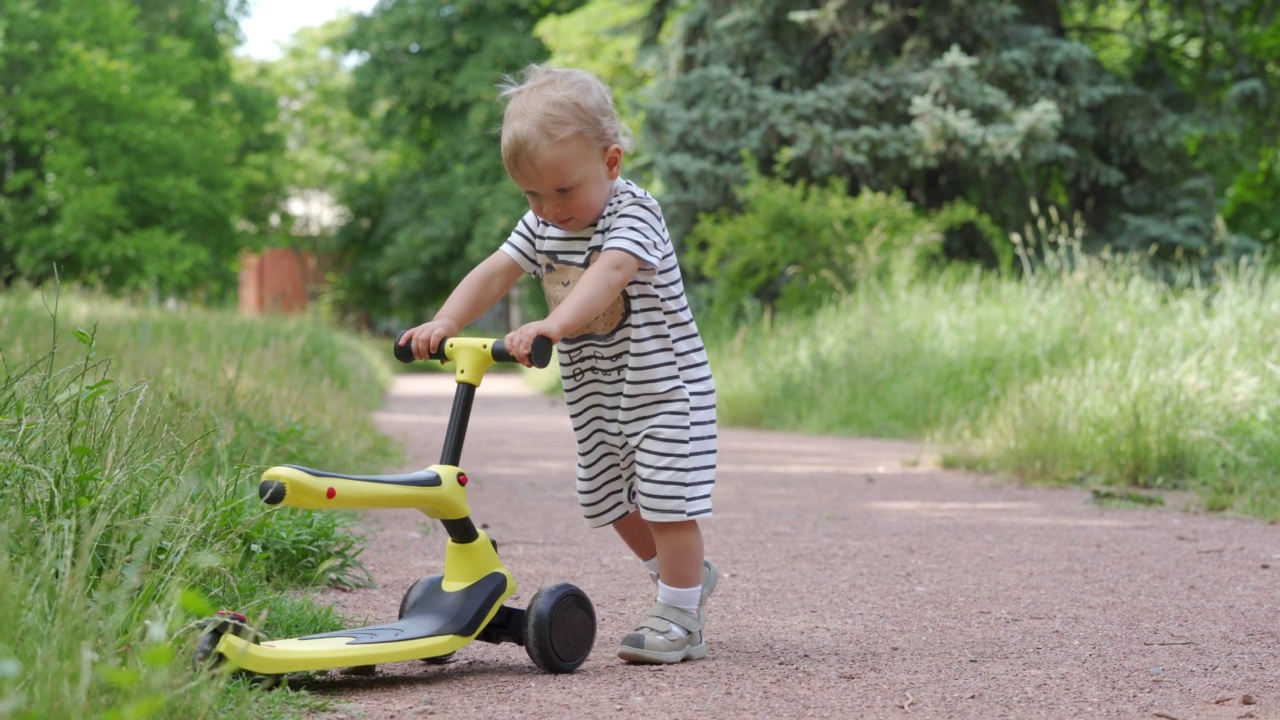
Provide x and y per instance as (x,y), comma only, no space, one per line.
(657,657)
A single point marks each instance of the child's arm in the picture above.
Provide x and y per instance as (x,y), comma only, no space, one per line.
(599,286)
(478,291)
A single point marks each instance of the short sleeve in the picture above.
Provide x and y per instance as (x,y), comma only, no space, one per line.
(522,244)
(638,228)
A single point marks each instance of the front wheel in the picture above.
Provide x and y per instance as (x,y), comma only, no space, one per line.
(206,655)
(560,628)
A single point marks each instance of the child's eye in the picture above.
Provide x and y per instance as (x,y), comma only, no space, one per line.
(564,190)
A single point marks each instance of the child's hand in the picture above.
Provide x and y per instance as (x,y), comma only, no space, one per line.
(425,339)
(519,342)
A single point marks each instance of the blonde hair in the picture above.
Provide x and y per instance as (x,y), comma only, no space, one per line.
(547,105)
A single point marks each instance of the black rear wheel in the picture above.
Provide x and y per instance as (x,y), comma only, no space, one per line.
(560,628)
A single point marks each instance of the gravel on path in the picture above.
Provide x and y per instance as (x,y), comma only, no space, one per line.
(859,581)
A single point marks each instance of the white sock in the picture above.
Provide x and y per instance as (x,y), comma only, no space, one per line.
(684,598)
(652,565)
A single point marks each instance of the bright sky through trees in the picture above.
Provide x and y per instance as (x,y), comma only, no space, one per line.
(271,22)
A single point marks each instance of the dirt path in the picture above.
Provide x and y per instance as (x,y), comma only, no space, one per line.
(858,584)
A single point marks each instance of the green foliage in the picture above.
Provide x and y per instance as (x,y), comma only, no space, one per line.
(1083,372)
(1251,199)
(988,102)
(1215,65)
(260,160)
(605,37)
(428,76)
(130,447)
(331,150)
(797,247)
(903,360)
(602,36)
(121,130)
(296,548)
(138,156)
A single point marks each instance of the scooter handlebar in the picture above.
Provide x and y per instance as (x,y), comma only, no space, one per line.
(540,354)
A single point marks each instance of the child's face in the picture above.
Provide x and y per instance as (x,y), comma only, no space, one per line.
(568,183)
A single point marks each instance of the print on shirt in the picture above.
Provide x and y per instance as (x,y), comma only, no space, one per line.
(558,278)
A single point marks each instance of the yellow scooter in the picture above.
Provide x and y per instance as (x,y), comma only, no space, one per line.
(439,614)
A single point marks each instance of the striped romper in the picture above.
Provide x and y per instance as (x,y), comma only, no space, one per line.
(636,379)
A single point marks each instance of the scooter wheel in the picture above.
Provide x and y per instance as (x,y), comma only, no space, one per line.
(560,628)
(206,655)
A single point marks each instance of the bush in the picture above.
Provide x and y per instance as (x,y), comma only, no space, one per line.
(798,247)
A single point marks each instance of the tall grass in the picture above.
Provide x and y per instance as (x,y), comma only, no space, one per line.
(1086,372)
(130,444)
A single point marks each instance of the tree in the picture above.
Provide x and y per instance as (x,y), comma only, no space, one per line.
(428,72)
(605,37)
(993,103)
(120,132)
(1218,65)
(329,147)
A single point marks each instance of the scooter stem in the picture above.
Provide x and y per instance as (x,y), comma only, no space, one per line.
(456,432)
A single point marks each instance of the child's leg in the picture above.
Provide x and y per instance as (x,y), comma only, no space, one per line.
(685,549)
(679,547)
(635,532)
(673,630)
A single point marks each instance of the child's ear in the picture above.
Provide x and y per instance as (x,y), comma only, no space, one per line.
(613,161)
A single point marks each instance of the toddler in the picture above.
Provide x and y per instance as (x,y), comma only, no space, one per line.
(635,373)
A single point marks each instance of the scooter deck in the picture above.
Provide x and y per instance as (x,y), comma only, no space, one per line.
(441,622)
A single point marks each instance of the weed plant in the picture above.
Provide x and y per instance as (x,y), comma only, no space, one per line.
(130,445)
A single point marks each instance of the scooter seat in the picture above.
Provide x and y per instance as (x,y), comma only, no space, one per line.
(421,478)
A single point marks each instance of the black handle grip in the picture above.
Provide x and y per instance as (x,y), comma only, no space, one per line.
(404,353)
(540,353)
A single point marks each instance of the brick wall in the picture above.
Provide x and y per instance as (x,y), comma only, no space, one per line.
(277,281)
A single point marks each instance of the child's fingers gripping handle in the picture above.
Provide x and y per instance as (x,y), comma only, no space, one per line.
(539,354)
(404,353)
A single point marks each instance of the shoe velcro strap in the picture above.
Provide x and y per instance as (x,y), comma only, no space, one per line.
(672,614)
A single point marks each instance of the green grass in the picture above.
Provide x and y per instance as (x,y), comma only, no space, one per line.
(130,445)
(131,441)
(1091,375)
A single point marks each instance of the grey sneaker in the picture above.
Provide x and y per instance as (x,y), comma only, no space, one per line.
(710,578)
(655,643)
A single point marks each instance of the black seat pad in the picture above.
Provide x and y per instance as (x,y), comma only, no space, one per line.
(421,478)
